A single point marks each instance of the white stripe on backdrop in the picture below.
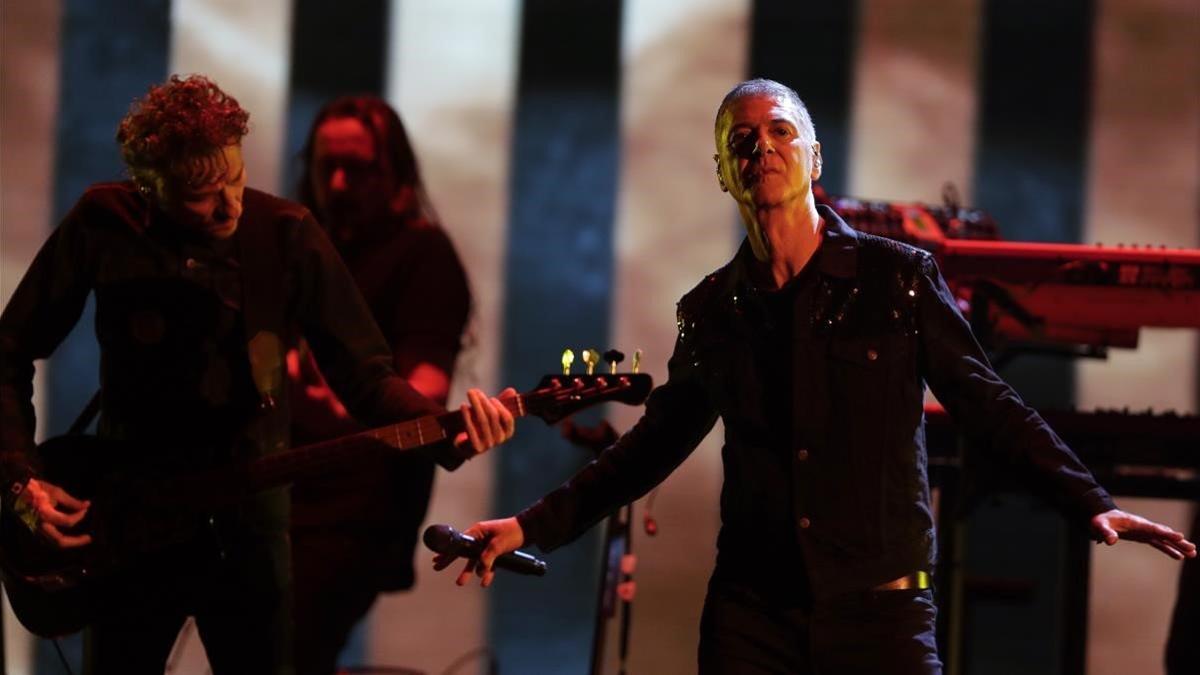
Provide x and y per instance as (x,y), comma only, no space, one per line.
(29,36)
(453,82)
(245,48)
(915,99)
(1142,185)
(673,226)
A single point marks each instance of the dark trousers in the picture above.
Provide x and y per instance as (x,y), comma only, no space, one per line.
(1183,649)
(241,600)
(336,584)
(745,632)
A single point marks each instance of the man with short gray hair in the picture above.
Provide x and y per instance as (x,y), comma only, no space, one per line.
(814,346)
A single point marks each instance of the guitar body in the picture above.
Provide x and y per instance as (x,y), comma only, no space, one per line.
(57,591)
(52,590)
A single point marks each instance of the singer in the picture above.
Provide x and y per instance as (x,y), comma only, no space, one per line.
(814,346)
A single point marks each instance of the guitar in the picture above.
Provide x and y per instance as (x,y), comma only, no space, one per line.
(139,505)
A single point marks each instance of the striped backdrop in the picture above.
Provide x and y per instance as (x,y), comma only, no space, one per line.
(567,147)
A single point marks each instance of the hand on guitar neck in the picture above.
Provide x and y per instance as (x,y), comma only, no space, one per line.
(487,420)
(48,510)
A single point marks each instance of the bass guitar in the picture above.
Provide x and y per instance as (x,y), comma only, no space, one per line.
(141,504)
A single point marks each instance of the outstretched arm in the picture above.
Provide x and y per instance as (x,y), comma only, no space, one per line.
(961,377)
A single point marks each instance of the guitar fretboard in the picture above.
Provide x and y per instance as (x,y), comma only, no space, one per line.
(311,460)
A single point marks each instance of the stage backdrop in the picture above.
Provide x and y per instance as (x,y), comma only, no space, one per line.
(567,147)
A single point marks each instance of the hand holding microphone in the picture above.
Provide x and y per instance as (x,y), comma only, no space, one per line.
(486,545)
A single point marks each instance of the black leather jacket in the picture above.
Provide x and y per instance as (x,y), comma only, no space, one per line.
(851,493)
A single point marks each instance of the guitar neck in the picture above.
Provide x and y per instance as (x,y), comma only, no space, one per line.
(320,458)
(555,397)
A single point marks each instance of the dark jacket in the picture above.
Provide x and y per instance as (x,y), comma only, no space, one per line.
(416,289)
(850,490)
(169,321)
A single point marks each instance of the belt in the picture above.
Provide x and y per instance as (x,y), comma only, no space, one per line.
(914,581)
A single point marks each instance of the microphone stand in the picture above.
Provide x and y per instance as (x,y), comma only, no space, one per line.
(617,561)
(614,577)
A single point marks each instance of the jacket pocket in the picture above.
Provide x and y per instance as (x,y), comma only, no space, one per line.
(861,372)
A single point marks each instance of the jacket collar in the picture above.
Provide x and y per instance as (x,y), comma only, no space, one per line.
(836,257)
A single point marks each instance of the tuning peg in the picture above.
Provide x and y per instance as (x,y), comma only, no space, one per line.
(637,361)
(568,358)
(591,357)
(613,357)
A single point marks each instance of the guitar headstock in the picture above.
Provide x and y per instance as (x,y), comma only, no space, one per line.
(558,396)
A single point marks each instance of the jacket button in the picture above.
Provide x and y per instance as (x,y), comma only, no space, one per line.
(802,454)
(872,354)
(804,523)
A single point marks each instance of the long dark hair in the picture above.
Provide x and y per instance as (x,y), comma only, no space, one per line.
(391,141)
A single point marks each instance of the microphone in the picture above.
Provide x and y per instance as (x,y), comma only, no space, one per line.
(449,541)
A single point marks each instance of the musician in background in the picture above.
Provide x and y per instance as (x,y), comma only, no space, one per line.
(814,345)
(177,259)
(354,535)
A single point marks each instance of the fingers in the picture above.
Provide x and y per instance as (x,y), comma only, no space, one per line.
(1107,533)
(1176,549)
(487,421)
(49,514)
(466,573)
(499,420)
(508,423)
(49,531)
(472,434)
(1167,549)
(63,498)
(55,507)
(1188,548)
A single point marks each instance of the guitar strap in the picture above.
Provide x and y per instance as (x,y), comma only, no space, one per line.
(86,415)
(263,302)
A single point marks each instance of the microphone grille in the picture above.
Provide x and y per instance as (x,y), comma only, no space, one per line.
(439,538)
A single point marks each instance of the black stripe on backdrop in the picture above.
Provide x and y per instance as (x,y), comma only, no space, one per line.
(1030,173)
(558,286)
(110,53)
(1031,152)
(337,49)
(810,47)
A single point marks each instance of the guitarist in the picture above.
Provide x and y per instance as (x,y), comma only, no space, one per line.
(353,535)
(199,281)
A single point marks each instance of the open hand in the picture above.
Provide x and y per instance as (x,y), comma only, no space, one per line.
(502,536)
(52,510)
(1117,524)
(488,422)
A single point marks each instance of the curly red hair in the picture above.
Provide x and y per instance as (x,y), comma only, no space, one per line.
(175,122)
